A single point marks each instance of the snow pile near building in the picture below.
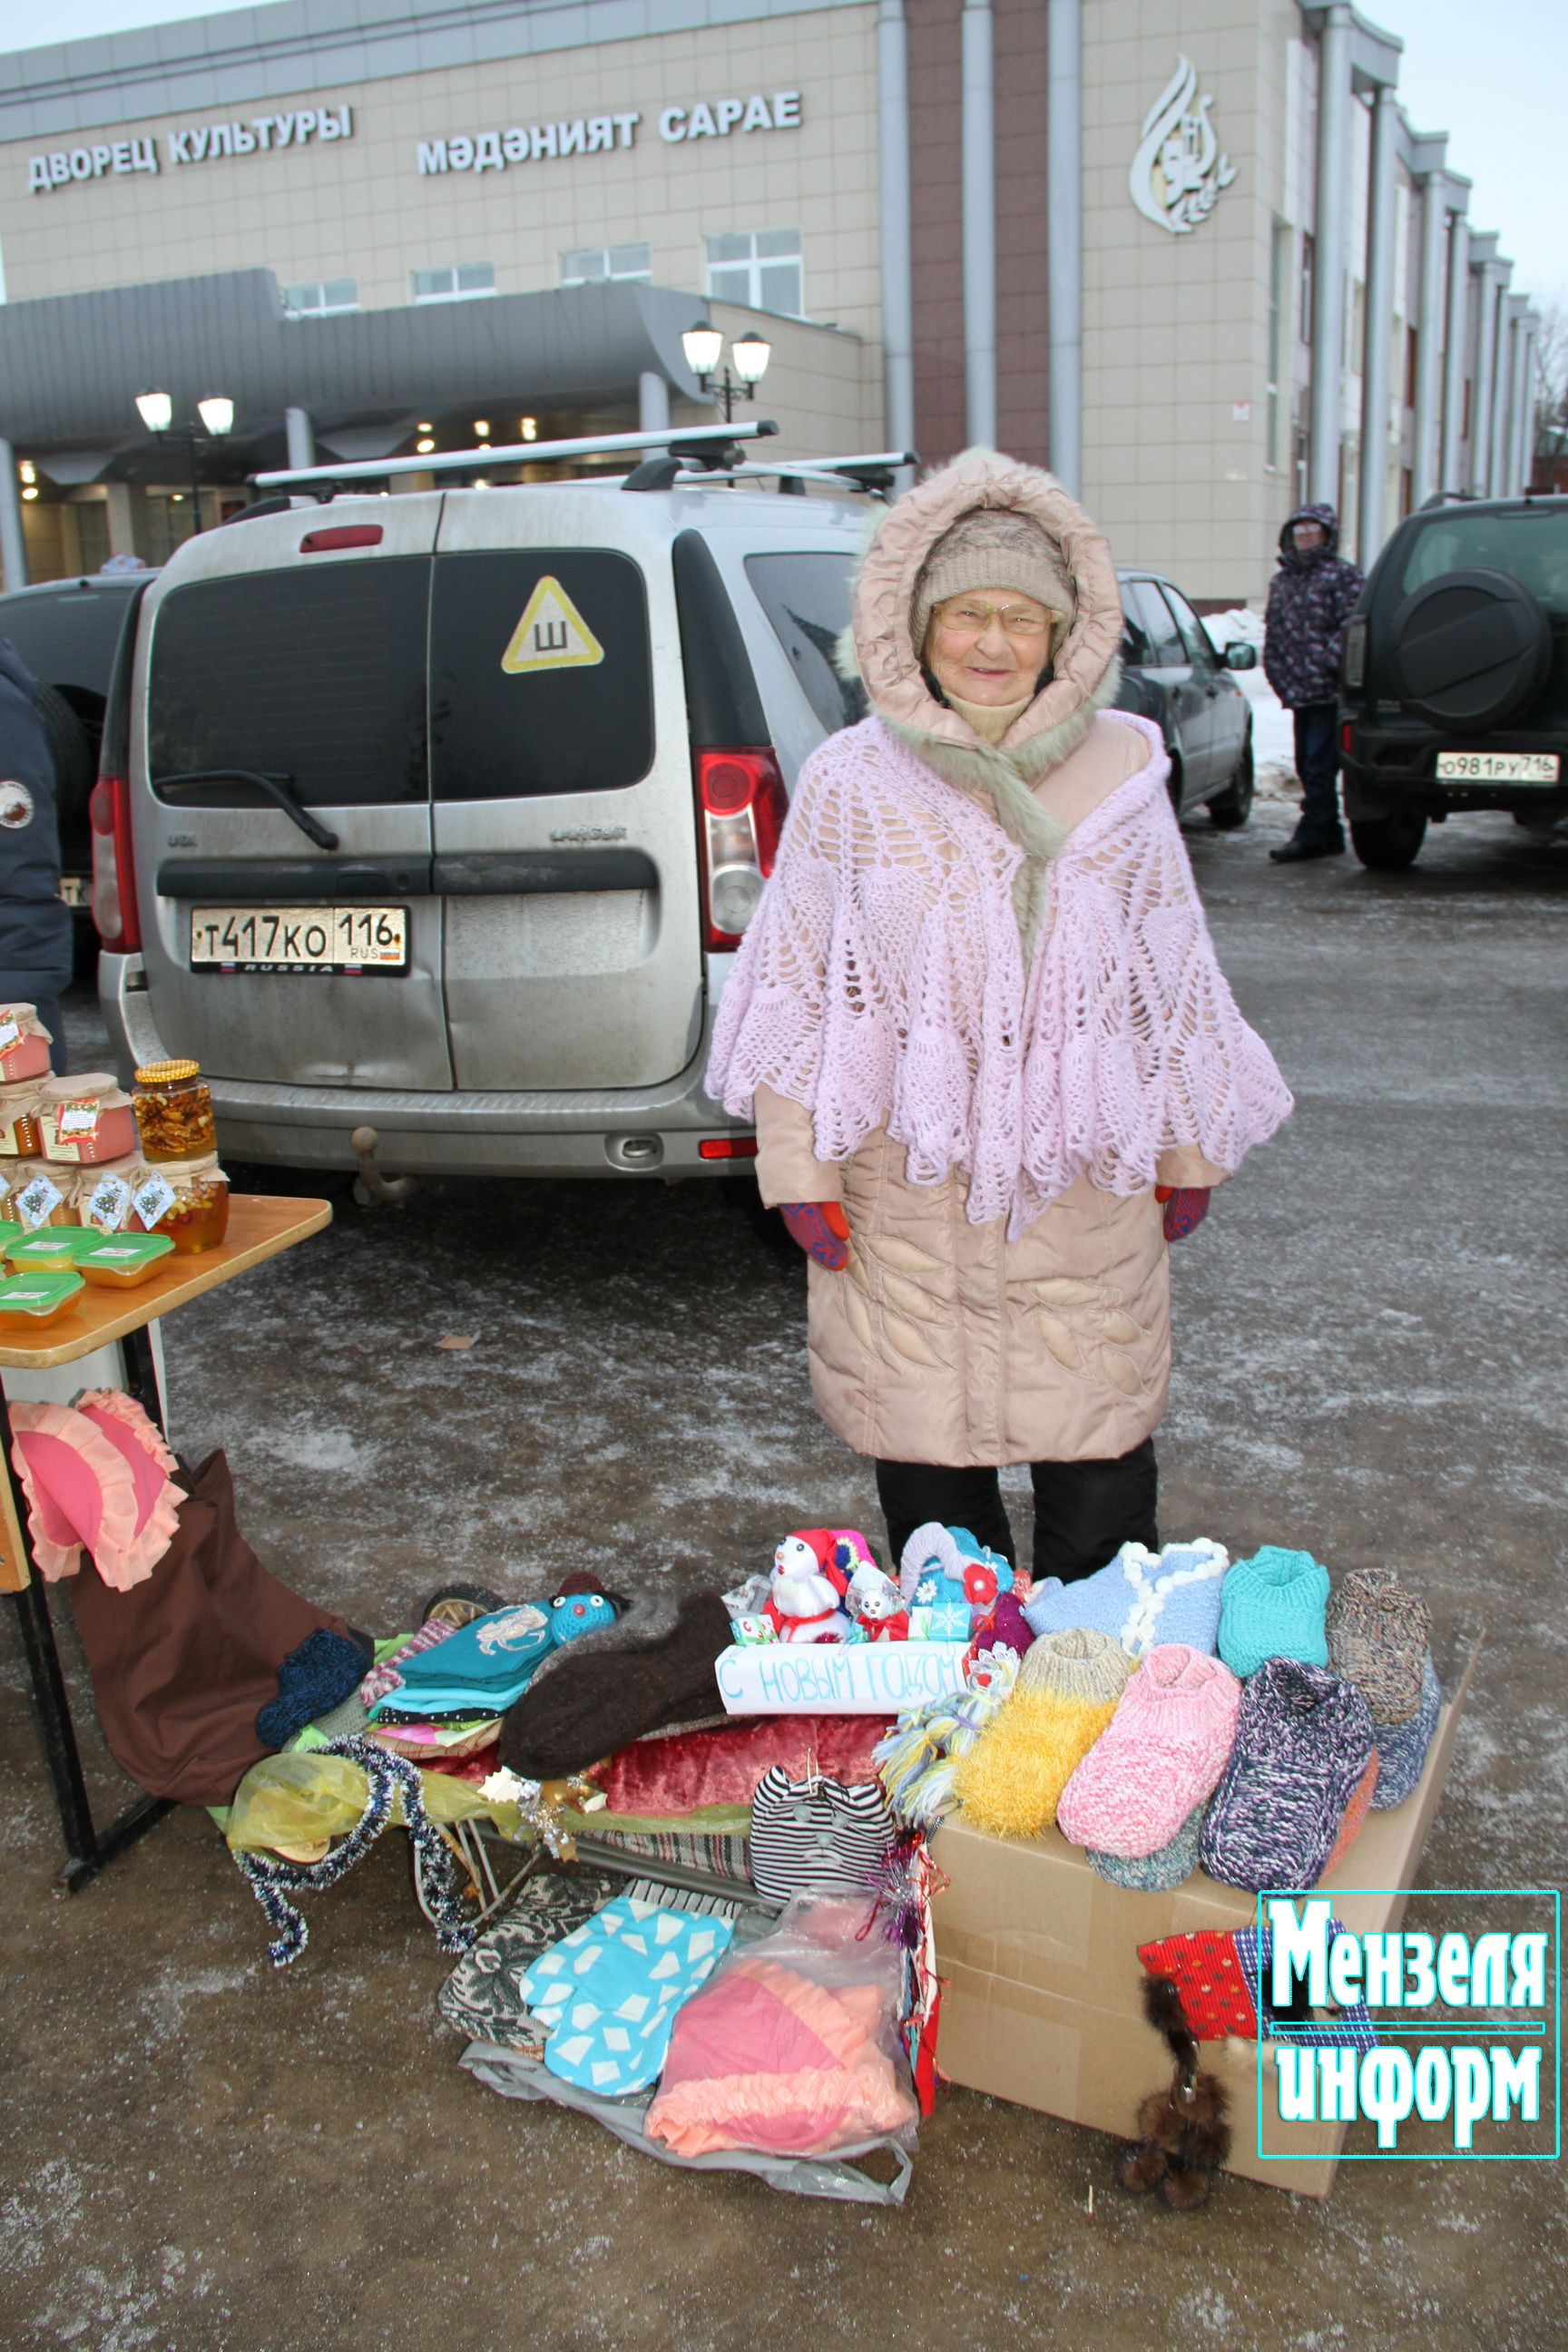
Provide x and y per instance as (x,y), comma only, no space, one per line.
(1273,744)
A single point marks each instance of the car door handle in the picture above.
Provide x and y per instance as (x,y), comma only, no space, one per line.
(526,873)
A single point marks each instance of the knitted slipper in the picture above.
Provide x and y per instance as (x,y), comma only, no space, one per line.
(1302,1742)
(1402,1747)
(1379,1633)
(1140,1597)
(1171,1864)
(1067,1687)
(1161,1757)
(1273,1607)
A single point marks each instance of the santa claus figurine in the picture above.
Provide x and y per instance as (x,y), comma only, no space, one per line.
(811,1576)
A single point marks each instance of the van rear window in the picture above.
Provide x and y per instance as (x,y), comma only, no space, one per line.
(68,636)
(1530,543)
(540,677)
(806,598)
(316,674)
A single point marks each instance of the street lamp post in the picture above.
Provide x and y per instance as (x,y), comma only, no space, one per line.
(156,410)
(750,354)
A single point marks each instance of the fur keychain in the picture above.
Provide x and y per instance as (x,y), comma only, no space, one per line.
(1185,2135)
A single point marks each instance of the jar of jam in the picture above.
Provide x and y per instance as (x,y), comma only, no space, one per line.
(39,1192)
(106,1194)
(174,1112)
(24,1044)
(85,1119)
(19,1136)
(195,1217)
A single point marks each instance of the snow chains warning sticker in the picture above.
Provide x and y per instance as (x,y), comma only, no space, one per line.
(552,634)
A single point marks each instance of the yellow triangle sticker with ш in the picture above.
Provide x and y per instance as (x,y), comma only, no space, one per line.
(552,634)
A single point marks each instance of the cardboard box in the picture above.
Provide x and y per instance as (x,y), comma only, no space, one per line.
(1044,1985)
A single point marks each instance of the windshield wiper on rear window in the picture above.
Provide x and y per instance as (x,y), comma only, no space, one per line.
(276,789)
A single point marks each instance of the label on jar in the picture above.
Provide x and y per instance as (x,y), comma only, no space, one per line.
(79,1119)
(10,1031)
(37,1201)
(8,1139)
(110,1201)
(155,1200)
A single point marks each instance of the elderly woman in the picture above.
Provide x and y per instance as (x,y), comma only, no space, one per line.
(994,1064)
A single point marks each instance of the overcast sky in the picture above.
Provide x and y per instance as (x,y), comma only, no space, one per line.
(1495,77)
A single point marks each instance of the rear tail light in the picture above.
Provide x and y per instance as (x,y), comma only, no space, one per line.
(113,870)
(1355,653)
(1347,738)
(740,808)
(727,1146)
(345,534)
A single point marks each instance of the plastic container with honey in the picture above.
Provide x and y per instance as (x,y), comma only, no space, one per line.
(197,1216)
(9,1233)
(19,1136)
(174,1111)
(24,1044)
(48,1252)
(39,1195)
(85,1119)
(30,1301)
(124,1260)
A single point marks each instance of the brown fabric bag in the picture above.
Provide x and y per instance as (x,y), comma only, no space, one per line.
(181,1664)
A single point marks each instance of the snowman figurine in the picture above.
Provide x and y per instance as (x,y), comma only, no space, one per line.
(809,1582)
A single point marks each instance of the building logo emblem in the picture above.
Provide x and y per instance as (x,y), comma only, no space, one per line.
(1179,169)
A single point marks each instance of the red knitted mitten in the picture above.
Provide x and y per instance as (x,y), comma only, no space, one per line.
(821,1228)
(1186,1206)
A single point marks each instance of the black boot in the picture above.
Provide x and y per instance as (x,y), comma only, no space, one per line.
(1304,846)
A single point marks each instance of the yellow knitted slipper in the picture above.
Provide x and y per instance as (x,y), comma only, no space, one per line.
(1009,1782)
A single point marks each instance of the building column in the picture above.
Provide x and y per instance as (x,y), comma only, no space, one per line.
(1487,294)
(1064,239)
(1331,240)
(12,543)
(653,401)
(1374,500)
(1510,347)
(1424,469)
(1527,407)
(299,435)
(979,167)
(1451,447)
(896,224)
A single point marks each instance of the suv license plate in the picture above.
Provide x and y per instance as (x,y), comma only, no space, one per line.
(1498,767)
(299,938)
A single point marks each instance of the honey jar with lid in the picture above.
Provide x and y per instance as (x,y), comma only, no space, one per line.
(174,1112)
(19,1136)
(195,1216)
(24,1044)
(85,1118)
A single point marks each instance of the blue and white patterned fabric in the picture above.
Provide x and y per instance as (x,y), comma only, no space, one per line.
(607,1994)
(1348,2029)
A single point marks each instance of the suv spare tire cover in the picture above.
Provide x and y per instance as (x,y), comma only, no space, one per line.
(1472,649)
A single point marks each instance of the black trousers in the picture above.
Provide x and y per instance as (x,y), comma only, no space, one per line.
(1318,766)
(1084,1511)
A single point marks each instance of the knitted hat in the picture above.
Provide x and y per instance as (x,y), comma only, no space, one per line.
(994,547)
(1379,1633)
(1303,1740)
(1161,1757)
(1402,1747)
(1169,1865)
(1140,1598)
(1273,1607)
(1066,1691)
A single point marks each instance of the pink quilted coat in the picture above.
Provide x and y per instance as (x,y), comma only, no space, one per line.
(993,1125)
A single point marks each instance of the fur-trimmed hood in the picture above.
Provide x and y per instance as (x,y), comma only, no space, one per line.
(879,649)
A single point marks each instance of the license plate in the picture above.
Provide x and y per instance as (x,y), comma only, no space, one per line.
(74,890)
(299,938)
(1498,767)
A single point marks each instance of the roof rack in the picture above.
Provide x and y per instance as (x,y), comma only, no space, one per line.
(875,473)
(712,447)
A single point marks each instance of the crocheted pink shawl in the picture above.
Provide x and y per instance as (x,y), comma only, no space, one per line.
(881,984)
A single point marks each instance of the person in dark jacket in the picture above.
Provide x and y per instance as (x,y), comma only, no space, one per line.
(1310,599)
(35,922)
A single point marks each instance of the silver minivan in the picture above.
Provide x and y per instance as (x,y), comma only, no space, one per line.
(441,815)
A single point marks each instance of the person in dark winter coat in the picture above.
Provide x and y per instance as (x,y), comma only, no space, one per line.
(1310,598)
(35,922)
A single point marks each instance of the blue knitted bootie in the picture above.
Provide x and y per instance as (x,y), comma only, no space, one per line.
(1155,1874)
(1274,1605)
(1402,1747)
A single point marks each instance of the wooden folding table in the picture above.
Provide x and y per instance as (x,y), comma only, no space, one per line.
(259,1226)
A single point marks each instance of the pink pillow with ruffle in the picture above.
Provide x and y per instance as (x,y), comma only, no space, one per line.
(96,1478)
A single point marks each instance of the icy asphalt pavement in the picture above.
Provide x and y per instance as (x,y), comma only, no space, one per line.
(1370,1333)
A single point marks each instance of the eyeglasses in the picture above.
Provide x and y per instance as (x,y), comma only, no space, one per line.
(971,620)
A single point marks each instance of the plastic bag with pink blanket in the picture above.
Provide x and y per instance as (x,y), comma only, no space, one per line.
(792,2045)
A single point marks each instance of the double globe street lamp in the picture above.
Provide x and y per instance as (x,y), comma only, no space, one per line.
(156,410)
(750,354)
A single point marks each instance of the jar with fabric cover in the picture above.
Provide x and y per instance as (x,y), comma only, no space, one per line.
(196,1218)
(19,1136)
(174,1111)
(106,1194)
(85,1119)
(24,1044)
(40,1192)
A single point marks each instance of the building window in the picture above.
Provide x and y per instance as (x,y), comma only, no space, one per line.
(456,282)
(1279,358)
(758,268)
(317,297)
(590,265)
(1412,364)
(1308,275)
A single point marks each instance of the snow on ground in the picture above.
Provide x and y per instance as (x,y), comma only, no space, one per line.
(1273,748)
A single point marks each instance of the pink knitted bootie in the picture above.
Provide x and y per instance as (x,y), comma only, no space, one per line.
(1160,1755)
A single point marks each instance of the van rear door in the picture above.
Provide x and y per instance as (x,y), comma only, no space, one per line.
(293,648)
(564,830)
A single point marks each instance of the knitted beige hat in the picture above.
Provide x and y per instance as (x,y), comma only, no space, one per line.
(993,547)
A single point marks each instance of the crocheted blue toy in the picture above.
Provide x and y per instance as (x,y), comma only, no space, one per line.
(1275,1606)
(574,1613)
(1139,1597)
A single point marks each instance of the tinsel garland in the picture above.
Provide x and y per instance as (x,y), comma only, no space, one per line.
(388,1776)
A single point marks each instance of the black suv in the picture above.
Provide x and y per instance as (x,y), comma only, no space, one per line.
(1455,692)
